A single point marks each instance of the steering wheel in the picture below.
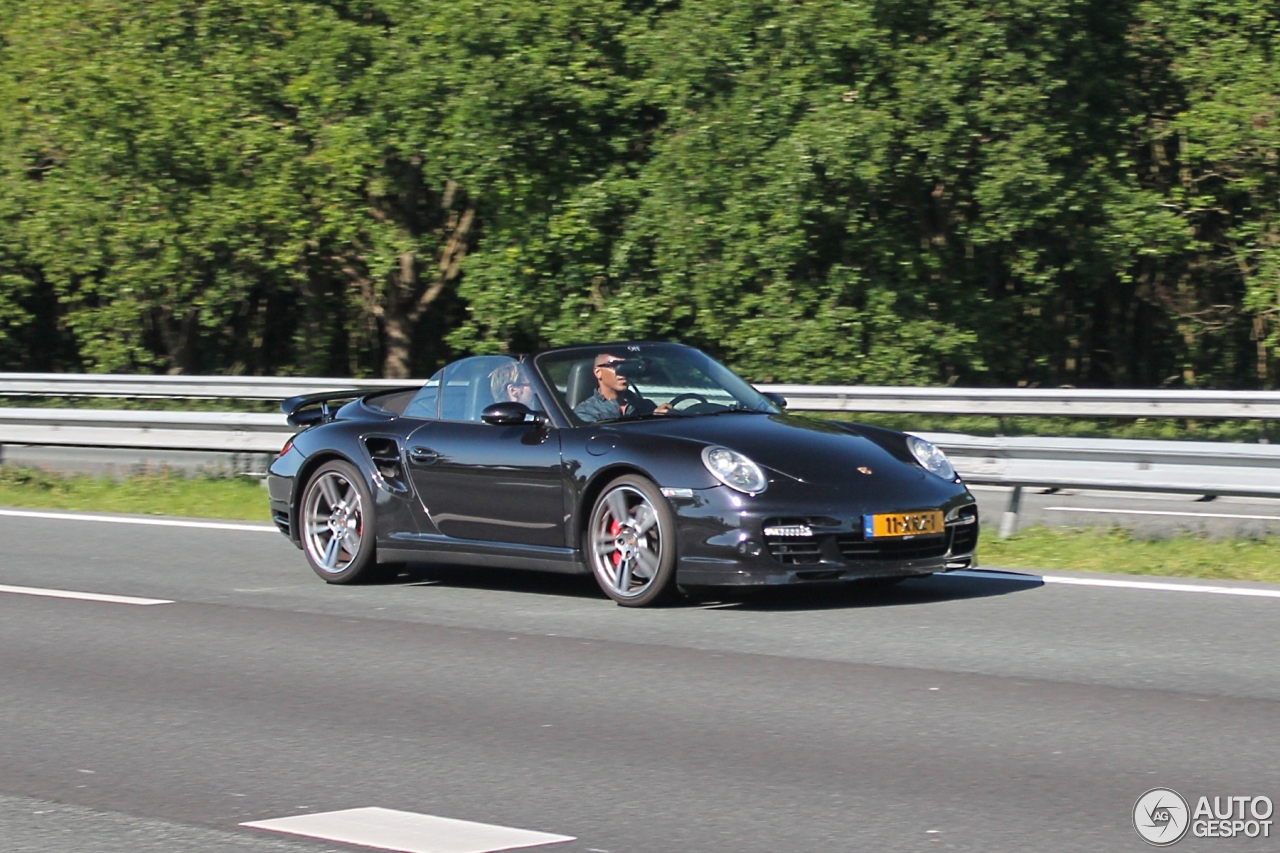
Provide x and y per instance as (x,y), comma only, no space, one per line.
(680,398)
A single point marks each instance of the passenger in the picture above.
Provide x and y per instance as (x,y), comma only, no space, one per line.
(509,384)
(614,398)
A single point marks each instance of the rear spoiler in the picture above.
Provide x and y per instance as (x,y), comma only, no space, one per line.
(299,409)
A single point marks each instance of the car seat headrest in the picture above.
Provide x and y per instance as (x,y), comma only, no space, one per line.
(582,382)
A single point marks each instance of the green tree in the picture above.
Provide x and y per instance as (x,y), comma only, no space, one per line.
(1058,192)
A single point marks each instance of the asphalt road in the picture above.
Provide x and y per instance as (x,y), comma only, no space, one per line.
(956,713)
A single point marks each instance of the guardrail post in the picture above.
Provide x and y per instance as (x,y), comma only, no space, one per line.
(1009,521)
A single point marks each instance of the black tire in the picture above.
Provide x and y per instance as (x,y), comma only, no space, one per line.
(337,518)
(630,542)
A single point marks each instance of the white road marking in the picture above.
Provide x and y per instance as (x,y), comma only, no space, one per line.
(1161,512)
(1167,587)
(983,574)
(152,522)
(81,596)
(1157,586)
(409,832)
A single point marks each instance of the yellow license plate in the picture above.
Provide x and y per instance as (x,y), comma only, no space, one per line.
(890,524)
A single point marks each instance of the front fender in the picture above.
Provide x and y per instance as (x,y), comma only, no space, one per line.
(593,456)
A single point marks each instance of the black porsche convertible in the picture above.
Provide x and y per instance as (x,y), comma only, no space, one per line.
(649,465)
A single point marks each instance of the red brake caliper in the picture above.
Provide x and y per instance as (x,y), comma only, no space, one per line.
(614,529)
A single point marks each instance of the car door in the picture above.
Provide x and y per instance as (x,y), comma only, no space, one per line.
(481,482)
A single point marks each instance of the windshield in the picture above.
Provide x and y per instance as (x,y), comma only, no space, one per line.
(627,381)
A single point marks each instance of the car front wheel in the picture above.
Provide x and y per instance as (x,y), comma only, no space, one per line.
(631,542)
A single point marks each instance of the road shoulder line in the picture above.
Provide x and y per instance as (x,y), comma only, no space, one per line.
(81,596)
(126,519)
(1156,586)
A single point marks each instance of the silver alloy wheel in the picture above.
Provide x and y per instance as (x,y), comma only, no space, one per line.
(626,542)
(333,520)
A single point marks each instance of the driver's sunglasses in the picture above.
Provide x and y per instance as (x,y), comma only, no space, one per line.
(612,365)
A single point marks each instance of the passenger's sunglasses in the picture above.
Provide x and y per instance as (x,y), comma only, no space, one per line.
(611,365)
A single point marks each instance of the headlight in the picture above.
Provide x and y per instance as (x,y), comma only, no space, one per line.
(734,470)
(931,458)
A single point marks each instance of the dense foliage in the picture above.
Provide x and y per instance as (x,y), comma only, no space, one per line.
(1047,192)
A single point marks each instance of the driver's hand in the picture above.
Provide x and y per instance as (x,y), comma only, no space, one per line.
(663,409)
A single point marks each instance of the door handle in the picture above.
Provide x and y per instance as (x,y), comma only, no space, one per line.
(423,455)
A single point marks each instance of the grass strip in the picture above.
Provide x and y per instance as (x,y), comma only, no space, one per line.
(157,493)
(1116,550)
(1091,549)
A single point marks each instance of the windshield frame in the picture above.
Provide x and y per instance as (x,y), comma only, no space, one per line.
(737,387)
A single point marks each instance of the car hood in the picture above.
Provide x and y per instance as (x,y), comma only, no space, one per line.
(805,449)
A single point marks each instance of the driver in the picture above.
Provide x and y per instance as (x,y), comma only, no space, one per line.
(614,398)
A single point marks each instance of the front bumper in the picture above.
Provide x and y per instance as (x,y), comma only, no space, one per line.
(722,540)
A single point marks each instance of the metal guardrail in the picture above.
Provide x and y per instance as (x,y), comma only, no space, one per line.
(1034,402)
(179,387)
(1058,402)
(1206,468)
(229,432)
(1176,467)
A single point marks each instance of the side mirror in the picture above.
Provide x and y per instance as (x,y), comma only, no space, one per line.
(777,399)
(510,414)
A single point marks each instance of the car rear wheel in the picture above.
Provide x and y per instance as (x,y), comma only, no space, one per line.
(337,524)
(631,542)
